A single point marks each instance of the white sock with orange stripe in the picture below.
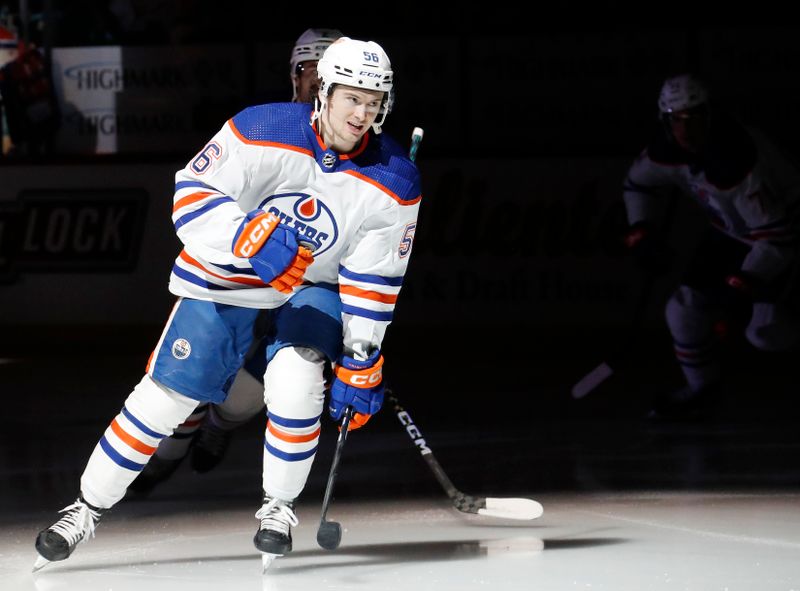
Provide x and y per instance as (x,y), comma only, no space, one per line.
(151,412)
(295,396)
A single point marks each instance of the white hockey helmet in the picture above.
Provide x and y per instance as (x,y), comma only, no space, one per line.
(309,47)
(360,64)
(680,93)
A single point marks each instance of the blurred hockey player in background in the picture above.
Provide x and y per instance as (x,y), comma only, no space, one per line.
(742,270)
(9,50)
(207,432)
(306,52)
(275,178)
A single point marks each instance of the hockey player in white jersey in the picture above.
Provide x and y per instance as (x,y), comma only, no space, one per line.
(207,432)
(275,177)
(743,266)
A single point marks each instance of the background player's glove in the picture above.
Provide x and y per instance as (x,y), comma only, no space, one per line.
(741,289)
(272,249)
(649,248)
(358,384)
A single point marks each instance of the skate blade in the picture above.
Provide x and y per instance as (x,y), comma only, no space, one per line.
(40,563)
(267,560)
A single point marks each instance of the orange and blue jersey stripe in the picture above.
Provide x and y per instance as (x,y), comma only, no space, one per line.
(185,208)
(368,296)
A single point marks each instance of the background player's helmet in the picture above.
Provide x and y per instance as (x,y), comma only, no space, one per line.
(684,112)
(309,47)
(360,64)
(680,93)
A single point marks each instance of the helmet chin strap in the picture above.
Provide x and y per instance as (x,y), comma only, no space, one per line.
(376,125)
(319,108)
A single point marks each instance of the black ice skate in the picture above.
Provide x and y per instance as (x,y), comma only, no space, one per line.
(59,540)
(156,471)
(274,535)
(209,447)
(686,405)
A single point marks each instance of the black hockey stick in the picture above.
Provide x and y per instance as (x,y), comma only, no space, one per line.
(508,508)
(329,533)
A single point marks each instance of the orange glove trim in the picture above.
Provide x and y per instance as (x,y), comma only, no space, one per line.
(293,275)
(255,233)
(356,422)
(361,378)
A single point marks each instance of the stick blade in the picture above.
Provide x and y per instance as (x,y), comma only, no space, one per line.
(519,509)
(591,380)
(329,535)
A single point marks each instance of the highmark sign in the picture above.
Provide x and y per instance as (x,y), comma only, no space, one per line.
(141,99)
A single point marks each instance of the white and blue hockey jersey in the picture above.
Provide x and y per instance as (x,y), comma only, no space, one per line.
(359,210)
(745,187)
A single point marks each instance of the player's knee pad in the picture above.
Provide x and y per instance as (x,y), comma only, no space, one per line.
(159,408)
(687,315)
(245,398)
(293,383)
(771,327)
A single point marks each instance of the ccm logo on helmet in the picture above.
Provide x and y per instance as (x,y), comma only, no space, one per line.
(370,74)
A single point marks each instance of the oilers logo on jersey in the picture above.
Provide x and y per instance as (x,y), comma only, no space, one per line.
(307,214)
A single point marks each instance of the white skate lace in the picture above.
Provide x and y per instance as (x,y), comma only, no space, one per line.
(79,521)
(277,515)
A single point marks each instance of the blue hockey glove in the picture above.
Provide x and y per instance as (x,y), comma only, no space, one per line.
(272,249)
(358,384)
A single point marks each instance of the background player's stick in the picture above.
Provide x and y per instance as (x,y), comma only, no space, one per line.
(329,533)
(623,356)
(507,508)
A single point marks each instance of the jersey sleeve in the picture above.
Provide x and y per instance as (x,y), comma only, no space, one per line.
(646,189)
(771,226)
(205,211)
(371,275)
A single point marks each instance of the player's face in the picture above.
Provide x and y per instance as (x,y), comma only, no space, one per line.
(349,115)
(307,81)
(690,128)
